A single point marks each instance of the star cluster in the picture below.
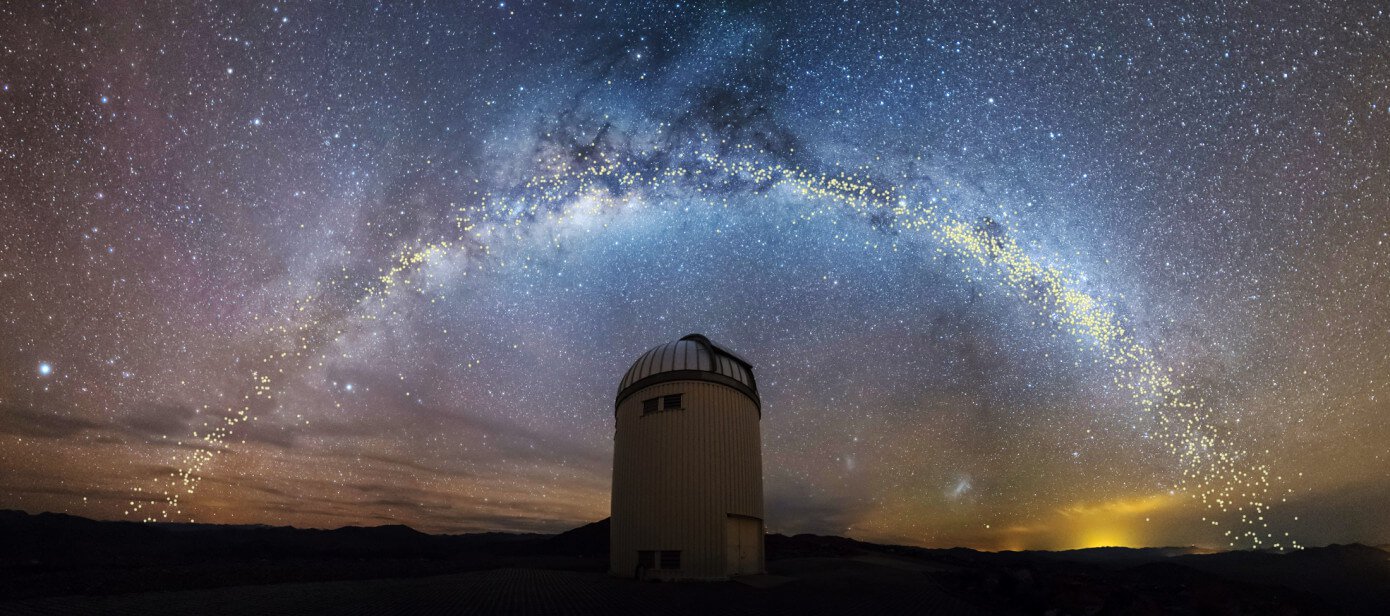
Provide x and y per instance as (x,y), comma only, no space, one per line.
(1010,276)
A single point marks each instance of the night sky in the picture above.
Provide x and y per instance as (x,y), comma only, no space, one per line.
(1010,276)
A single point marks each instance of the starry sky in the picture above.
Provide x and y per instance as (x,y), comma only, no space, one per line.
(322,264)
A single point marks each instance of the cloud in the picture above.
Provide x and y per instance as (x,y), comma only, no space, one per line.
(394,412)
(31,422)
(1123,506)
(792,508)
(159,420)
(1344,514)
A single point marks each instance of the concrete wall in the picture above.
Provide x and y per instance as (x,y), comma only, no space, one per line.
(678,475)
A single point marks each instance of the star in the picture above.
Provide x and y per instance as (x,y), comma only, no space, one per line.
(1163,242)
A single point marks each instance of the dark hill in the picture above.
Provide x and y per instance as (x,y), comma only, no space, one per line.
(1355,575)
(589,540)
(48,553)
(54,555)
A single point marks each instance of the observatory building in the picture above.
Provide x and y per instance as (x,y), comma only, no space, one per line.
(687,466)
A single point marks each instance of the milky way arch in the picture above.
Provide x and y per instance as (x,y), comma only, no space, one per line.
(1231,484)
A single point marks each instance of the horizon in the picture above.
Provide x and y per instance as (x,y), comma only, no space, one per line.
(1008,277)
(1198,549)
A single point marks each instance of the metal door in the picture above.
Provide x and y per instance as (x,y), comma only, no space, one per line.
(744,544)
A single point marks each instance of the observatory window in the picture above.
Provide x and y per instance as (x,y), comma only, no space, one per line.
(671,559)
(664,403)
(646,559)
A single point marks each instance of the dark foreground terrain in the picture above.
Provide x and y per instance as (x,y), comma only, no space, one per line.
(57,564)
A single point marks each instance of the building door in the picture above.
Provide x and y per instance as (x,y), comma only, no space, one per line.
(744,539)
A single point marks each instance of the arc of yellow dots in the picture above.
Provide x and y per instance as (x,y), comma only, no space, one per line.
(1214,469)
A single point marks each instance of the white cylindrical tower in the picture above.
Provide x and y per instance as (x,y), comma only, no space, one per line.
(687,466)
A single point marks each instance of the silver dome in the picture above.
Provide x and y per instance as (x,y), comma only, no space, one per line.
(692,358)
